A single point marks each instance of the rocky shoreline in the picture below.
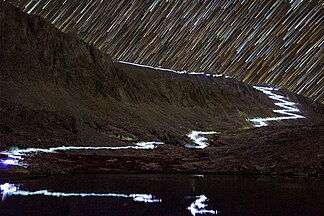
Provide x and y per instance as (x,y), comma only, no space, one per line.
(291,150)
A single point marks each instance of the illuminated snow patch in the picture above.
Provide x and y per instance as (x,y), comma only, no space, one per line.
(151,67)
(13,190)
(14,157)
(173,71)
(147,145)
(289,109)
(11,160)
(139,145)
(196,73)
(200,142)
(217,75)
(199,207)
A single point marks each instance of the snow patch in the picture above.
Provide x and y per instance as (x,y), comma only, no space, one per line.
(200,142)
(14,157)
(289,108)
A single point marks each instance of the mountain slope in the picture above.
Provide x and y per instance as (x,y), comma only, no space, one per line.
(56,90)
(45,69)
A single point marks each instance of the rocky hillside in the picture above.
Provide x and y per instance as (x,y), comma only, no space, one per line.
(56,90)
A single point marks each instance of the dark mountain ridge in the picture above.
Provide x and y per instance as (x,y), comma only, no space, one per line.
(57,90)
(38,58)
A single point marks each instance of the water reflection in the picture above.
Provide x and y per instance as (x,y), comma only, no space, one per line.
(199,206)
(6,189)
(13,190)
(199,175)
(142,194)
(196,207)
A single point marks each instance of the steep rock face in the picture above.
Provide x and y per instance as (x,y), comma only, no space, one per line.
(45,70)
(221,96)
(33,50)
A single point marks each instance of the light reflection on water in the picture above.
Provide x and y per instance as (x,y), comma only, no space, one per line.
(199,206)
(13,190)
(143,194)
(196,207)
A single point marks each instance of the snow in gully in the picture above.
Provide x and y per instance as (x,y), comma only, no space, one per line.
(200,142)
(289,109)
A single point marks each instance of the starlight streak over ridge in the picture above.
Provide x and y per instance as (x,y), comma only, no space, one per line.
(273,42)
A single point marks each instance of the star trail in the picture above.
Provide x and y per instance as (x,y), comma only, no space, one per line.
(257,42)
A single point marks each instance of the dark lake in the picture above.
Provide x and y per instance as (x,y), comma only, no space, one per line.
(139,194)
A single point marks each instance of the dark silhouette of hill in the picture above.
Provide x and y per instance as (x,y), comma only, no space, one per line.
(57,90)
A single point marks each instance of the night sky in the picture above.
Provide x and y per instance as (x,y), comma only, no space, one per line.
(273,42)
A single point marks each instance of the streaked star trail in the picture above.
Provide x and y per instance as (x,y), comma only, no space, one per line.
(272,42)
